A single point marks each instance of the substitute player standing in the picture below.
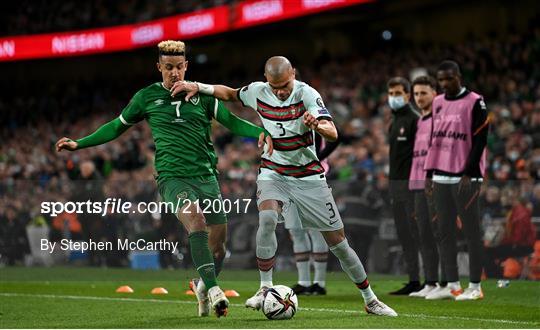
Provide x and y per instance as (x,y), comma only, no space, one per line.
(456,160)
(185,161)
(292,177)
(424,91)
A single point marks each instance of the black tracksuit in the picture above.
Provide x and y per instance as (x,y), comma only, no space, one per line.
(401,139)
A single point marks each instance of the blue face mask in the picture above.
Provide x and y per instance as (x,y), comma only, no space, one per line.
(396,102)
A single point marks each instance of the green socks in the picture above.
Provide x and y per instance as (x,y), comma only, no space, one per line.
(202,258)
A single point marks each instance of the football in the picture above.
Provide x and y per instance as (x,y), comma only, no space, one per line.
(280,303)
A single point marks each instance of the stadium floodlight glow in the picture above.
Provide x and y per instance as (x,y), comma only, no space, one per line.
(201,58)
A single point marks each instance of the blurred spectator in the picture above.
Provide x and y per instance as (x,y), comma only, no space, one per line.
(534,263)
(536,201)
(491,205)
(518,241)
(68,225)
(13,242)
(41,16)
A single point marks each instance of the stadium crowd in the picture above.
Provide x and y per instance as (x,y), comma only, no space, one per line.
(29,17)
(506,70)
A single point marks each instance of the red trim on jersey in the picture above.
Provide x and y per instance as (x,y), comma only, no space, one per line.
(310,168)
(290,112)
(293,142)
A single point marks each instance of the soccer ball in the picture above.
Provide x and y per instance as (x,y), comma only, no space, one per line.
(280,303)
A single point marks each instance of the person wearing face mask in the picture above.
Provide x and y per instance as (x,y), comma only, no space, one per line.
(401,139)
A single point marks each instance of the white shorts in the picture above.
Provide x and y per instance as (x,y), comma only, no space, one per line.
(307,204)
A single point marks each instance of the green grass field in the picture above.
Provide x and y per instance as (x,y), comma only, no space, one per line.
(86,298)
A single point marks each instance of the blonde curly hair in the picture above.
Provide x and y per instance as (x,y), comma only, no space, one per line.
(172,47)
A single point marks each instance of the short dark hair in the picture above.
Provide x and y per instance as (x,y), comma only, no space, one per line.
(425,80)
(399,81)
(449,65)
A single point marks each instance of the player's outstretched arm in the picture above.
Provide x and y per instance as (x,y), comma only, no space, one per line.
(104,134)
(221,92)
(329,147)
(324,127)
(241,127)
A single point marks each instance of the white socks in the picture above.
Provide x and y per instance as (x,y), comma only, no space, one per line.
(368,294)
(304,276)
(301,248)
(266,234)
(266,245)
(266,278)
(349,261)
(320,273)
(320,257)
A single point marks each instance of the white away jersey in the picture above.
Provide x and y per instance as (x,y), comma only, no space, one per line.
(294,143)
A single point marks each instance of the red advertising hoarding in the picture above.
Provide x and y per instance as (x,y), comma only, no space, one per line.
(255,12)
(185,26)
(117,38)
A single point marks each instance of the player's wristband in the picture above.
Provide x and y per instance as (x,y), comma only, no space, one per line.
(205,89)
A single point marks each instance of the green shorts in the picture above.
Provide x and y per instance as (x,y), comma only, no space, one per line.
(203,190)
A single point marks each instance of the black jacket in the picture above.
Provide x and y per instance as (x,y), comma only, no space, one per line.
(401,139)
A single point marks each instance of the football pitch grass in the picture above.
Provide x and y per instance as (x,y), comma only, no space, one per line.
(86,298)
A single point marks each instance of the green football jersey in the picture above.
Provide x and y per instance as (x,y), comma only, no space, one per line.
(181,130)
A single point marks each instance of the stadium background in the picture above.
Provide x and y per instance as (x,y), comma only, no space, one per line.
(343,53)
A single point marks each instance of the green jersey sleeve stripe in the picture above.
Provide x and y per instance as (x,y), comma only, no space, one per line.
(216,103)
(124,121)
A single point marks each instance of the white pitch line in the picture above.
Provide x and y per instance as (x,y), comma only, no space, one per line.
(442,317)
(166,301)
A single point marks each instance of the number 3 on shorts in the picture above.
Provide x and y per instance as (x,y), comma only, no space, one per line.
(331,210)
